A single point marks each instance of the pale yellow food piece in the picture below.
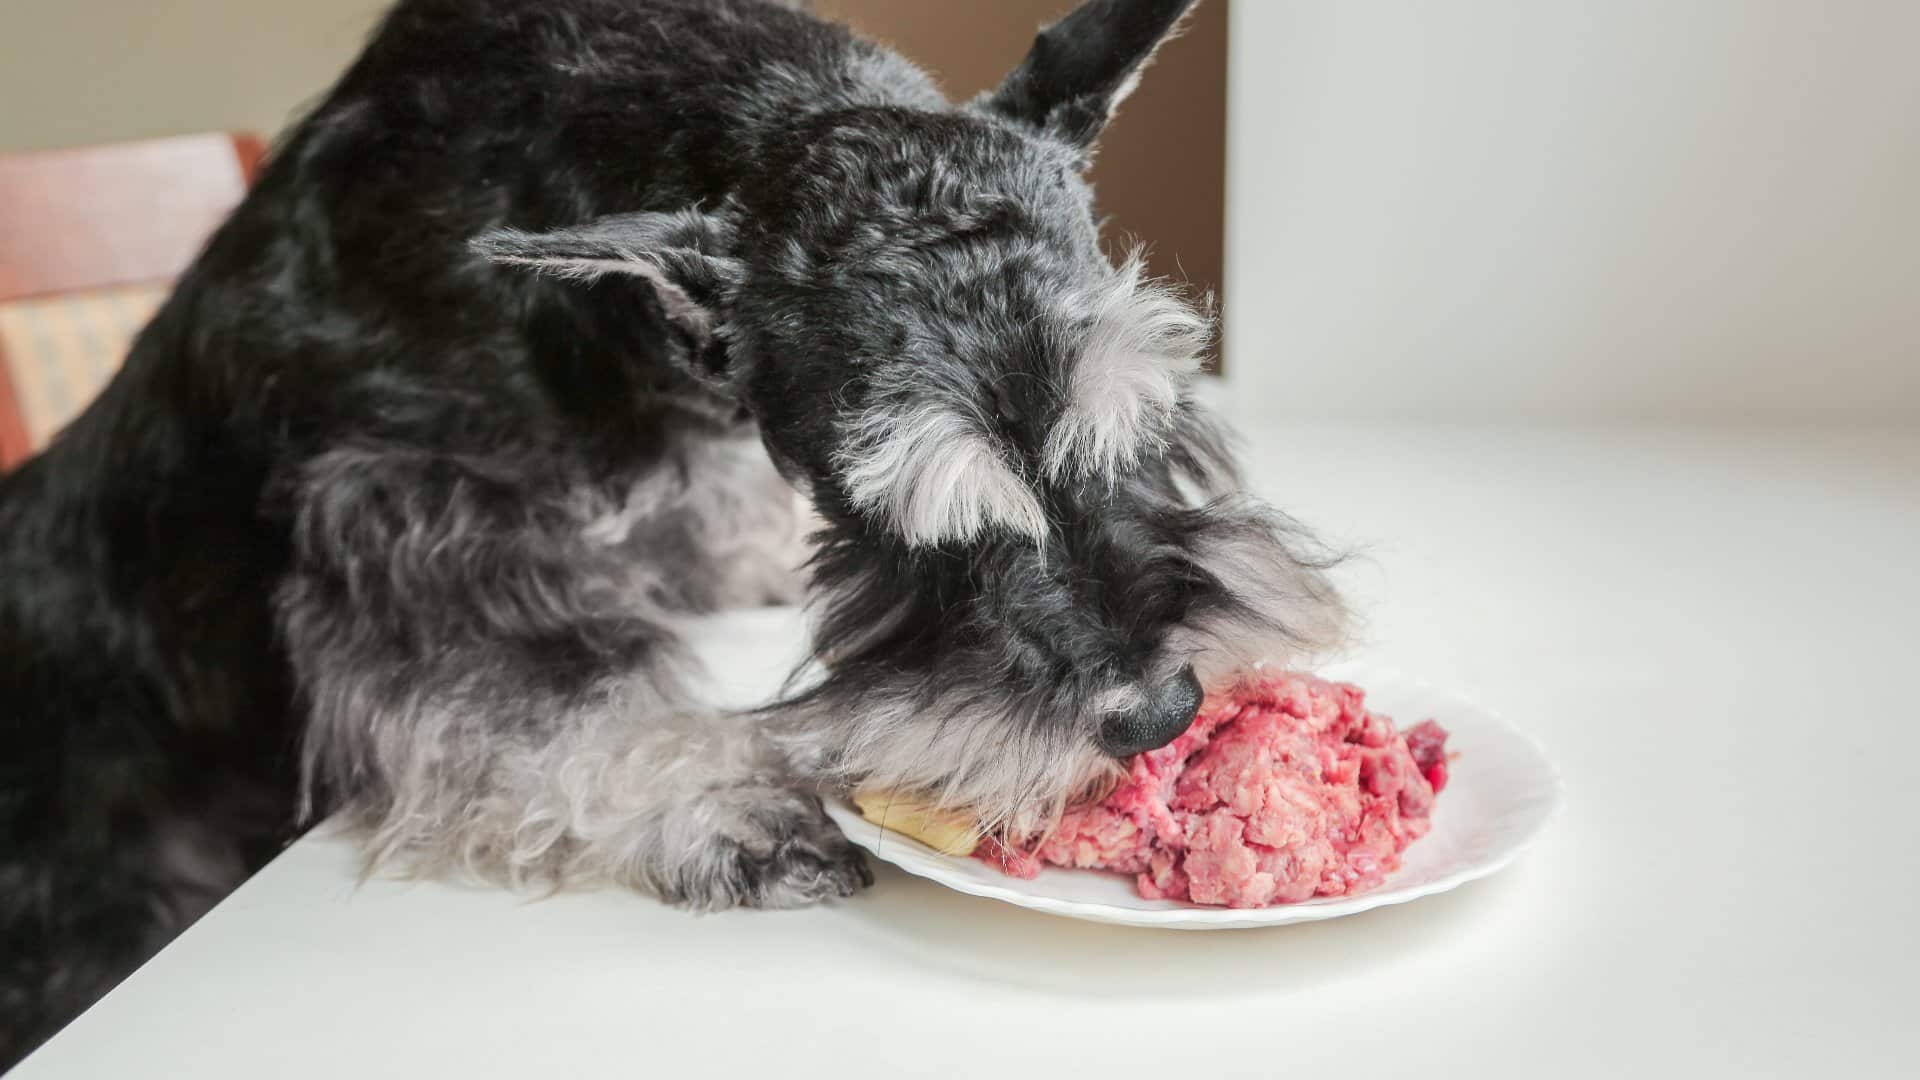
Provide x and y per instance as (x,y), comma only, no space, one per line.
(942,830)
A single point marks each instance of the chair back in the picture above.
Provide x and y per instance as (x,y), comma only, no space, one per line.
(90,240)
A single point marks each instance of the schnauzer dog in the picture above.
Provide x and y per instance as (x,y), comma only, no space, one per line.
(555,324)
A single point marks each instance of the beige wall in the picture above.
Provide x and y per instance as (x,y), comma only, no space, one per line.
(84,71)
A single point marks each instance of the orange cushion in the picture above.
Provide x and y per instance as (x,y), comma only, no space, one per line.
(60,350)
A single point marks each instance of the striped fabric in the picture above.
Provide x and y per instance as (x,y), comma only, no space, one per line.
(61,350)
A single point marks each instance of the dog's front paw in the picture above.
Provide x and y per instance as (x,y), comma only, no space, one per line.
(803,871)
(781,850)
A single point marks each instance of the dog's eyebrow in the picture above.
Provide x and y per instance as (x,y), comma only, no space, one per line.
(1143,344)
(933,474)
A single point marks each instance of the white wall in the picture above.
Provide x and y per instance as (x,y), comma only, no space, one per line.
(1575,207)
(84,71)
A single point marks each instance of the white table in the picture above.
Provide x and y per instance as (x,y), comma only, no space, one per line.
(1710,631)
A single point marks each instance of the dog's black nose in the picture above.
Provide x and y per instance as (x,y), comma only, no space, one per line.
(1156,724)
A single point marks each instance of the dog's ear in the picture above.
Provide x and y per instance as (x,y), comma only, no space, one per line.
(1083,66)
(683,255)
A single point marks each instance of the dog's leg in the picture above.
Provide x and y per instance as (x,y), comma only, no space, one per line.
(493,689)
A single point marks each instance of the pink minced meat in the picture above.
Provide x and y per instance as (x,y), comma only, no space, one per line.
(1284,788)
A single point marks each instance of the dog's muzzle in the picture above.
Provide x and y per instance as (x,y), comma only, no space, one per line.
(1168,712)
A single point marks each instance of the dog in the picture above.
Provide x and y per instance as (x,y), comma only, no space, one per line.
(555,324)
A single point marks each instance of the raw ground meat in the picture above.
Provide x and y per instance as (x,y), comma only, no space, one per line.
(1284,788)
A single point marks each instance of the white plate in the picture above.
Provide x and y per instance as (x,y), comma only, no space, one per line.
(1500,792)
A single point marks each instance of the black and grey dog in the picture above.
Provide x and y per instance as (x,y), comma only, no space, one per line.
(557,323)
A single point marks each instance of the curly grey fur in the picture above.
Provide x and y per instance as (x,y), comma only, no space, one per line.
(498,688)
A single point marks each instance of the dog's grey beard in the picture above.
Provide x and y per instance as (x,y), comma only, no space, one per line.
(1280,610)
(979,752)
(1013,761)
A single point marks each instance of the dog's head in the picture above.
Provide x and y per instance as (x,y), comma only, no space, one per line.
(1035,553)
